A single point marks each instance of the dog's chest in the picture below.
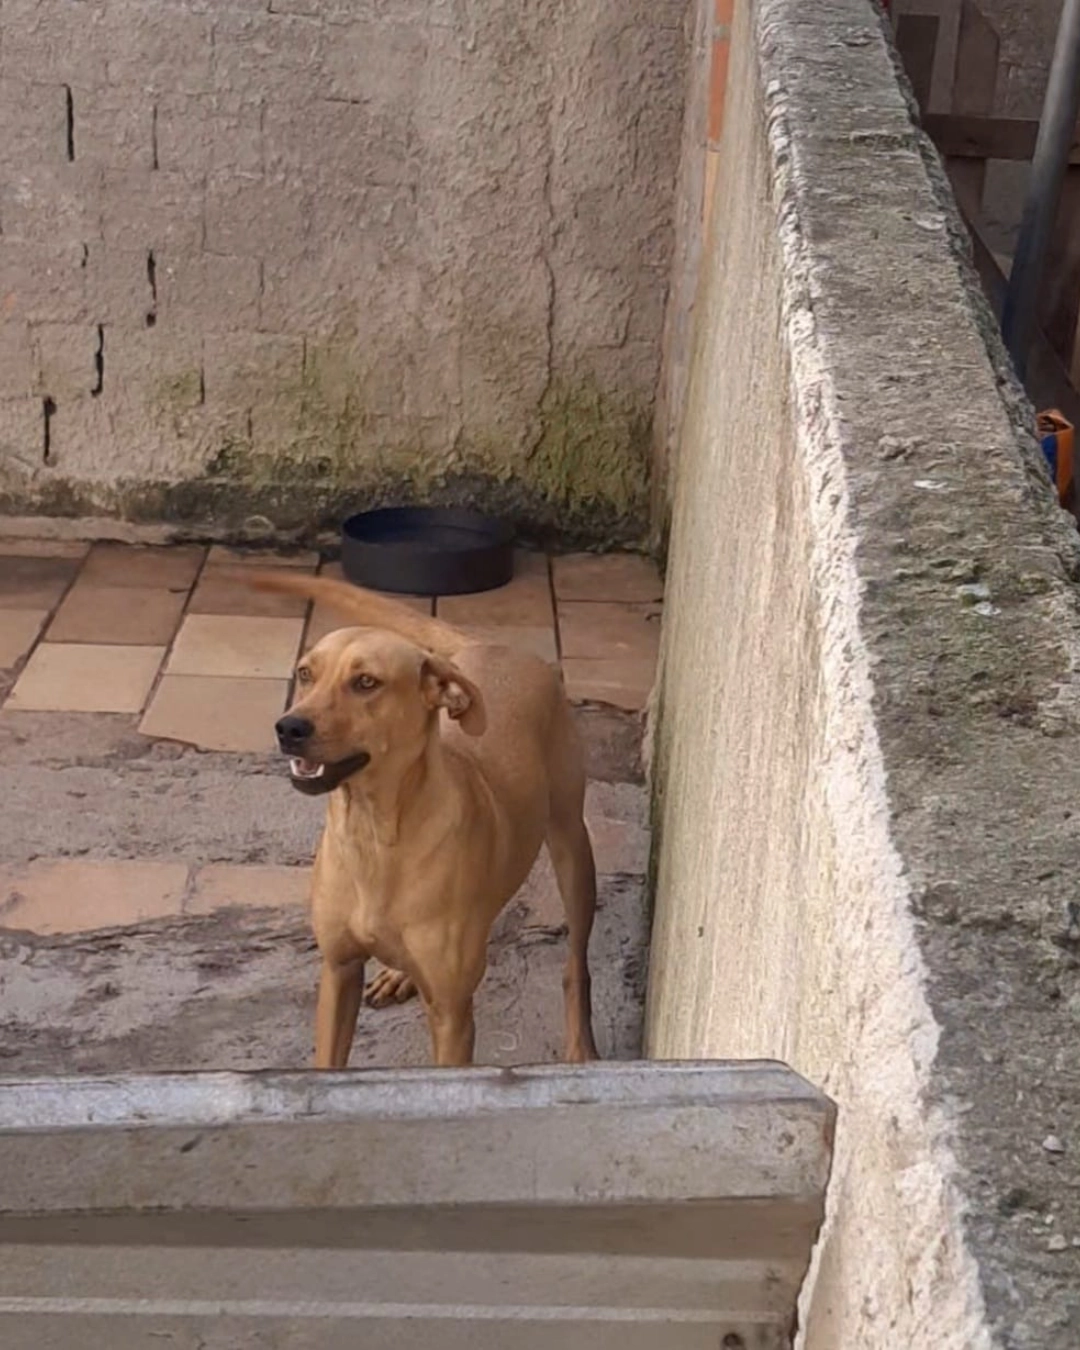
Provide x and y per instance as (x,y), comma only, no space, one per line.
(378,906)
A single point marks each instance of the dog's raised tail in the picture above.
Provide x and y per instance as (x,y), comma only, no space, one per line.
(366,609)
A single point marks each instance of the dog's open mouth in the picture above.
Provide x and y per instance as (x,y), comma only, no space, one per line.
(313,776)
(306,768)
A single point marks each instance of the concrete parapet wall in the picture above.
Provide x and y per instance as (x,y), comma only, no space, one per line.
(269,260)
(867,738)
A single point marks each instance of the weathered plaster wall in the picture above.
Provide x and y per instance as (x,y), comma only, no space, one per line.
(867,740)
(696,156)
(266,259)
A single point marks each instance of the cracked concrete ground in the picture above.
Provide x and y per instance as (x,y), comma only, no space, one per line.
(235,989)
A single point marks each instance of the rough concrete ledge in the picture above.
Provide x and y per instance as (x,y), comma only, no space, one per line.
(950,641)
(590,1208)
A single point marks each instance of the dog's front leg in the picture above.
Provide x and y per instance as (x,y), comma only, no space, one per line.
(453,1031)
(341,989)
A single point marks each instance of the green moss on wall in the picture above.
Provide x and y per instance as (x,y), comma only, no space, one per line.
(320,445)
(593,452)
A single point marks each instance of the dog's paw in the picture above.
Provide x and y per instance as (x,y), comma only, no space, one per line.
(389,986)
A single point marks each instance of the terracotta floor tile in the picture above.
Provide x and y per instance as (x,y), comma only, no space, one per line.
(76,895)
(19,629)
(324,620)
(85,677)
(321,622)
(117,614)
(222,644)
(540,641)
(424,604)
(221,554)
(225,885)
(610,576)
(219,593)
(216,712)
(34,583)
(606,631)
(525,602)
(170,568)
(621,683)
(44,548)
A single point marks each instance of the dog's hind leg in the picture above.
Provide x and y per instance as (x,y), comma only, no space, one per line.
(575,870)
(572,857)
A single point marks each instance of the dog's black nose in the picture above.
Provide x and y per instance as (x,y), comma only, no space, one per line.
(292,731)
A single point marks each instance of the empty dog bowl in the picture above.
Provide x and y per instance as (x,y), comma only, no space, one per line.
(427,550)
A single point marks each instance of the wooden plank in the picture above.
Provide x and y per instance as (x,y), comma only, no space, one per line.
(971,137)
(941,77)
(916,41)
(1048,383)
(975,82)
(1060,300)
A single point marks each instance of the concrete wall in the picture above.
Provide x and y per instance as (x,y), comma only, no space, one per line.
(265,259)
(867,747)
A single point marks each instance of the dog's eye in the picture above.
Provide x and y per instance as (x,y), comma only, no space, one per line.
(303,675)
(364,684)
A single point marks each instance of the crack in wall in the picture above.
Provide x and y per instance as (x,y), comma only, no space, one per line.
(151,277)
(48,412)
(99,363)
(550,231)
(69,121)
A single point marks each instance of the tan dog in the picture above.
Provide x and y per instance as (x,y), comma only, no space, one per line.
(432,822)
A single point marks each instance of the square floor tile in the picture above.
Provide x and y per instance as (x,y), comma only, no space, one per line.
(223,644)
(34,583)
(524,602)
(226,885)
(423,604)
(622,684)
(220,592)
(170,568)
(221,555)
(607,576)
(322,621)
(44,548)
(19,629)
(217,712)
(606,631)
(77,895)
(84,677)
(325,619)
(539,641)
(130,615)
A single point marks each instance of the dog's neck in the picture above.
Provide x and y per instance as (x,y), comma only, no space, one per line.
(377,805)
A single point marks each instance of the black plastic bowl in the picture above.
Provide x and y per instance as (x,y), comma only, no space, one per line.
(427,550)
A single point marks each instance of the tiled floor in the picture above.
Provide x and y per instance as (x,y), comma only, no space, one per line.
(114,628)
(169,639)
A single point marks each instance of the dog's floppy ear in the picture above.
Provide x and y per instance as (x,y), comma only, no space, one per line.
(444,686)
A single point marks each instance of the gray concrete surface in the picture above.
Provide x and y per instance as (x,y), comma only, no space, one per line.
(263,262)
(866,755)
(598,1207)
(236,990)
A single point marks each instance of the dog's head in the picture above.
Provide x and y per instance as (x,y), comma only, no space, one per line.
(368,698)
